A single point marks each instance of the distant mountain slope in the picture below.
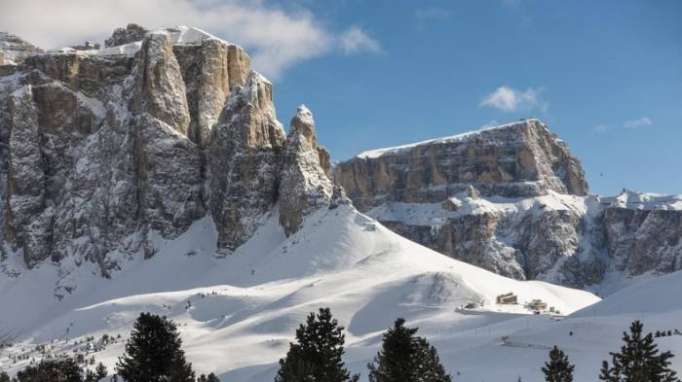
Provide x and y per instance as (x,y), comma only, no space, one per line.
(513,199)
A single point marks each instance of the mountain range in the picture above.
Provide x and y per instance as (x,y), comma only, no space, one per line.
(152,174)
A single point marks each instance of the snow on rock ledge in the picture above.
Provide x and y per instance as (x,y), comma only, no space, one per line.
(105,149)
(513,200)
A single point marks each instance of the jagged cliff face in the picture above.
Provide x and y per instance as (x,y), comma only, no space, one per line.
(100,149)
(14,50)
(512,199)
(521,159)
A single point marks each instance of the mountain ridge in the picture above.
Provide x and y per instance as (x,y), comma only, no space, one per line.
(514,200)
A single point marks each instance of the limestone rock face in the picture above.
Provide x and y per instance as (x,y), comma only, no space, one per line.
(13,49)
(520,159)
(244,159)
(102,150)
(513,200)
(305,182)
(644,240)
(161,89)
(210,70)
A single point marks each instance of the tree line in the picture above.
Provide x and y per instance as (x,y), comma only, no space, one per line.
(639,360)
(154,354)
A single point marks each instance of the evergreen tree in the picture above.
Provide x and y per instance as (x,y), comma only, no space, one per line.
(154,353)
(4,377)
(317,354)
(99,374)
(101,371)
(608,374)
(558,369)
(210,378)
(639,360)
(405,357)
(56,370)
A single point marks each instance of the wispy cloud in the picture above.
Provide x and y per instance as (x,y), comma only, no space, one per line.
(638,123)
(355,40)
(276,38)
(601,128)
(507,99)
(432,13)
(491,123)
(630,124)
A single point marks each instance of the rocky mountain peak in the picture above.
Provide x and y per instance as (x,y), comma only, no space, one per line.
(303,123)
(14,50)
(518,159)
(102,150)
(512,199)
(306,184)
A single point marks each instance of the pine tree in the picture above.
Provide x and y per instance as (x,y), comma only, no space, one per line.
(405,357)
(154,353)
(57,370)
(101,371)
(639,360)
(558,368)
(4,377)
(607,373)
(99,374)
(317,354)
(210,378)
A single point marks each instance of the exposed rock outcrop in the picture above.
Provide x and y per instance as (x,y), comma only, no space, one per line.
(305,177)
(13,49)
(520,159)
(244,161)
(643,232)
(103,150)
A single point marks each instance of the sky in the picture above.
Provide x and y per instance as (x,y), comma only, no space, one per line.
(605,75)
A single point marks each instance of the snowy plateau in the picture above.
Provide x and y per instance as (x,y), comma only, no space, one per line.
(152,175)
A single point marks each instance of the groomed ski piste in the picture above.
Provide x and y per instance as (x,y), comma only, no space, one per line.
(237,313)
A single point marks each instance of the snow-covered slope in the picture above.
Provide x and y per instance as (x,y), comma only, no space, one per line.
(238,313)
(587,336)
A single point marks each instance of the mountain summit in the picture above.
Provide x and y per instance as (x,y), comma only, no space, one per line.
(104,148)
(514,200)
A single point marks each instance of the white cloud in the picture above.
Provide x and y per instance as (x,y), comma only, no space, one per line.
(275,38)
(507,99)
(631,124)
(637,123)
(356,40)
(491,123)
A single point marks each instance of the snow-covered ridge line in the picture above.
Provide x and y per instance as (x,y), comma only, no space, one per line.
(178,35)
(453,138)
(644,201)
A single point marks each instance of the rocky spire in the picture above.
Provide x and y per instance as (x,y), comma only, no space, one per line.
(243,162)
(305,182)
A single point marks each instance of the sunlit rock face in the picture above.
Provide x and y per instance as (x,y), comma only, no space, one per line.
(102,149)
(512,199)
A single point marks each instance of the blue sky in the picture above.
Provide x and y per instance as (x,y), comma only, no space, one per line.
(605,75)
